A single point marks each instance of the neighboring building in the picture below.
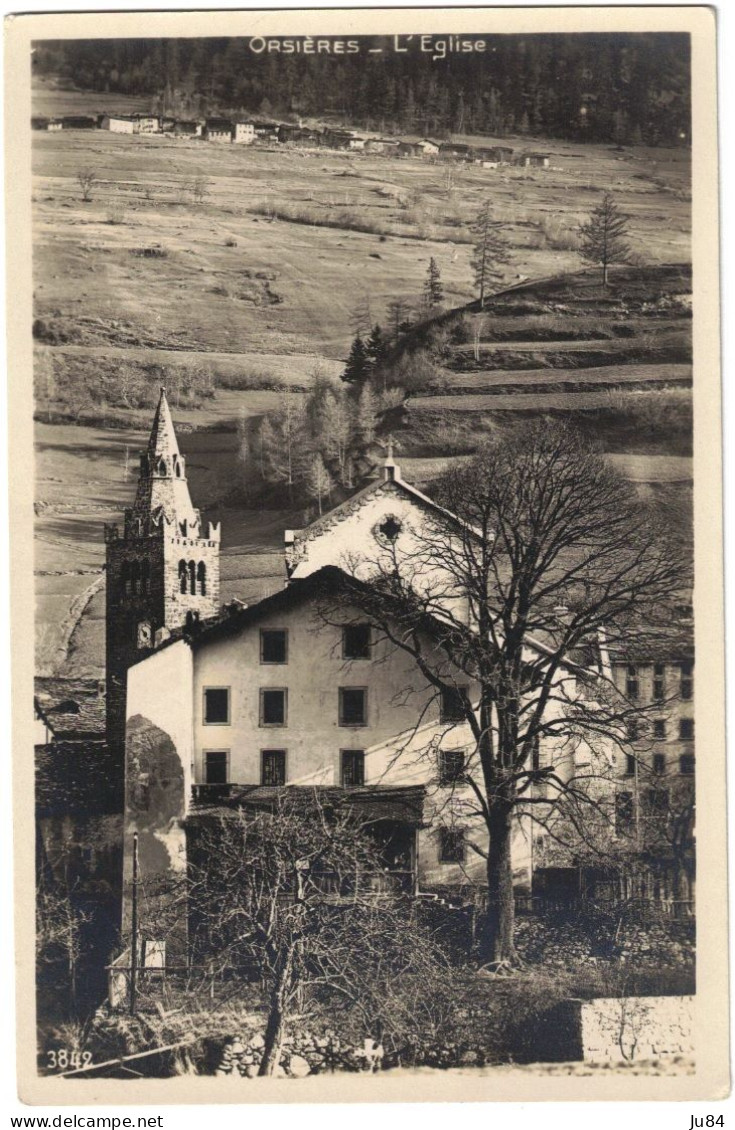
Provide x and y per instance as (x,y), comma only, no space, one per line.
(217,129)
(338,138)
(187,128)
(167,124)
(77,122)
(503,154)
(454,151)
(266,131)
(54,125)
(380,145)
(79,829)
(535,160)
(409,149)
(69,710)
(428,148)
(244,133)
(118,123)
(162,570)
(147,123)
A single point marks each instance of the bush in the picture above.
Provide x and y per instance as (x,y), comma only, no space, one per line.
(154,252)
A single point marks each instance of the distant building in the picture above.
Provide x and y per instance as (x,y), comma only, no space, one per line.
(503,154)
(217,129)
(77,122)
(167,124)
(266,131)
(147,123)
(338,138)
(428,148)
(535,160)
(118,123)
(244,133)
(187,128)
(380,145)
(54,125)
(454,151)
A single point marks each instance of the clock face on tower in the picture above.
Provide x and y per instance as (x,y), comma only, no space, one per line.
(145,634)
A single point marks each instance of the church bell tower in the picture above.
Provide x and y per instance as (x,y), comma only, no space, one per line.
(162,571)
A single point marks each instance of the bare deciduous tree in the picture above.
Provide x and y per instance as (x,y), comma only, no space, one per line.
(298,894)
(502,612)
(87,179)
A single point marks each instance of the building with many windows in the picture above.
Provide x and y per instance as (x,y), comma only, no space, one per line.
(218,707)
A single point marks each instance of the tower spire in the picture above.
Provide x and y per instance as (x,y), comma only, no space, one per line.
(162,485)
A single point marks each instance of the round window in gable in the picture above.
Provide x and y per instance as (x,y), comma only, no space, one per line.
(388,530)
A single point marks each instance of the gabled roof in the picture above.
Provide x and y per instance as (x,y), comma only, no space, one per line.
(392,482)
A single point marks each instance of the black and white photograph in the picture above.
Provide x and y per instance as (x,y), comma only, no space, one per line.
(368,437)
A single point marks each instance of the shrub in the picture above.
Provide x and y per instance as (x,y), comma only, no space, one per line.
(154,252)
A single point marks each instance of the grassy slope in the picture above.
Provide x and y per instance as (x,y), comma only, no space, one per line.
(205,302)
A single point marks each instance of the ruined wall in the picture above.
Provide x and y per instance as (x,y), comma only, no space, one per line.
(158,761)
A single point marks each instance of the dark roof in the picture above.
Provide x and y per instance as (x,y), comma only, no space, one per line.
(370,802)
(78,778)
(218,124)
(71,708)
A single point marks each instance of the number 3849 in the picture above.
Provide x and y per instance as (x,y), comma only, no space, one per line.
(61,1059)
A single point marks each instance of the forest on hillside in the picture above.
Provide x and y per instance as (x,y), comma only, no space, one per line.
(601,87)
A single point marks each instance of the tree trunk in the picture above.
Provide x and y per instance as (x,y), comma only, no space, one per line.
(276,1020)
(497,941)
(604,274)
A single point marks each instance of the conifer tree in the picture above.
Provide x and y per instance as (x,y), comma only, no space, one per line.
(357,362)
(604,236)
(376,349)
(490,250)
(433,289)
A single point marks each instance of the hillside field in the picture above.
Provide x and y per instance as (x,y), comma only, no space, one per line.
(258,283)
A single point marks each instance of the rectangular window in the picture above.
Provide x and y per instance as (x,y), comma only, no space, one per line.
(273,645)
(216,767)
(686,729)
(453,704)
(272,707)
(659,681)
(451,845)
(353,768)
(356,641)
(451,766)
(217,706)
(273,767)
(623,812)
(659,730)
(536,753)
(353,706)
(629,765)
(687,680)
(686,764)
(659,763)
(631,681)
(631,730)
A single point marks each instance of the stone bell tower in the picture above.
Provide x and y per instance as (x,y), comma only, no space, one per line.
(162,571)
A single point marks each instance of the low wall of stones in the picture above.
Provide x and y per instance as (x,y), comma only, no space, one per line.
(615,1029)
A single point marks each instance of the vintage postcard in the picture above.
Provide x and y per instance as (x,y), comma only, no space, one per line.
(365,469)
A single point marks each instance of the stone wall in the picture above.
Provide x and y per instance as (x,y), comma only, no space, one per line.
(615,1029)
